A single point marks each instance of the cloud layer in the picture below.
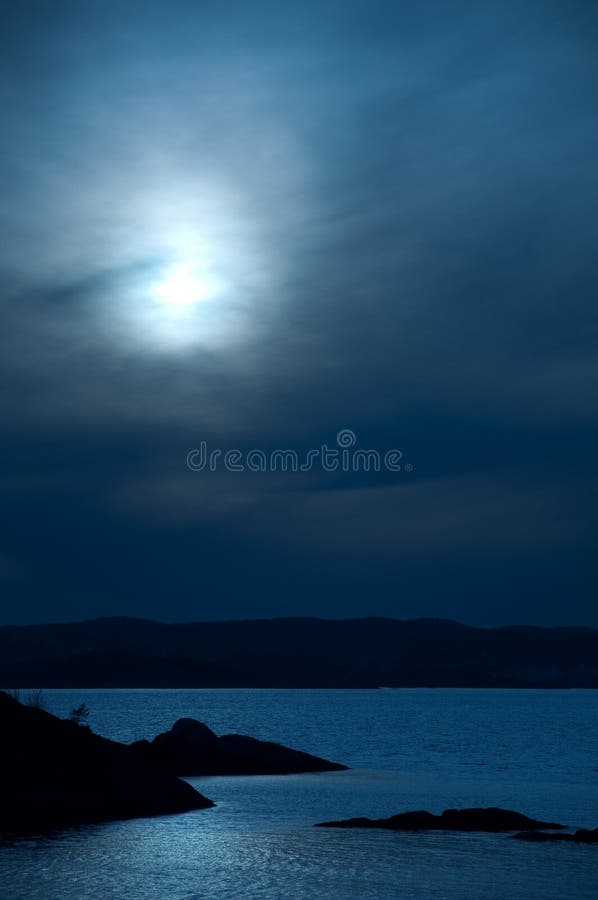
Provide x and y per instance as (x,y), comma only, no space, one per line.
(400,205)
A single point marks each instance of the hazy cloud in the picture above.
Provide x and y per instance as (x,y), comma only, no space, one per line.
(396,205)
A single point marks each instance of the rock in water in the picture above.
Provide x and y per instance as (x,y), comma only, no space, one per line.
(583,836)
(477,819)
(55,773)
(191,748)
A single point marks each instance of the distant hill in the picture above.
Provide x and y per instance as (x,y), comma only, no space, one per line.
(295,652)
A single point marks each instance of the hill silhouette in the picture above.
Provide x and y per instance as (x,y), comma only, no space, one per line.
(295,652)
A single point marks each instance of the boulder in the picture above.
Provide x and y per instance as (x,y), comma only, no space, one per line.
(477,819)
(191,748)
(193,731)
(55,773)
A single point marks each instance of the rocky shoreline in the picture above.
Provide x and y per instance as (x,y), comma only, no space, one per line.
(57,773)
(191,748)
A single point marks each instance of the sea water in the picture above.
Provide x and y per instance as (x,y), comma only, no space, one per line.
(532,751)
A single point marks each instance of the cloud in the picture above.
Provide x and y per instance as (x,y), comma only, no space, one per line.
(400,203)
(468,515)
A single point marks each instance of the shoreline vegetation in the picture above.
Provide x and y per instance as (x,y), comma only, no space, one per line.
(296,653)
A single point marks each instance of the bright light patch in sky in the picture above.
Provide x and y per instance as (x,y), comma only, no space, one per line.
(198,275)
(203,296)
(180,304)
(181,289)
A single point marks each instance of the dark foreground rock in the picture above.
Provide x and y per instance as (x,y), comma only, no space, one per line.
(191,748)
(55,773)
(583,836)
(483,819)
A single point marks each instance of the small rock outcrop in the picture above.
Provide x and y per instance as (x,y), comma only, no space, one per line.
(478,819)
(55,773)
(583,836)
(191,748)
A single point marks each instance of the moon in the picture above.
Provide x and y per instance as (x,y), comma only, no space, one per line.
(182,304)
(181,289)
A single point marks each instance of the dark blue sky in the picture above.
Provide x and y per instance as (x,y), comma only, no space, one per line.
(255,224)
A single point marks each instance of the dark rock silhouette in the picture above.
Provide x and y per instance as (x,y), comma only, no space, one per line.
(583,836)
(296,652)
(191,748)
(55,773)
(483,819)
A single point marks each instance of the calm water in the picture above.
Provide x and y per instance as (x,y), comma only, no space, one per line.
(535,751)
